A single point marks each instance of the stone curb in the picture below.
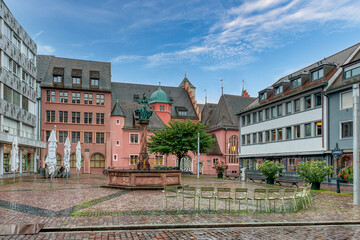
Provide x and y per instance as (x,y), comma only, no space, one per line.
(190,226)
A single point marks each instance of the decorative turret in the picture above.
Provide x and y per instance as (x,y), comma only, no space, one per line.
(161,104)
(159,96)
(186,84)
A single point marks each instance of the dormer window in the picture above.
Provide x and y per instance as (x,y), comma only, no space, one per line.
(58,76)
(352,71)
(317,74)
(295,83)
(94,79)
(181,111)
(278,90)
(263,96)
(58,79)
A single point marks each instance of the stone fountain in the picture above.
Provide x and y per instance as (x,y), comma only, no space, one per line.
(143,177)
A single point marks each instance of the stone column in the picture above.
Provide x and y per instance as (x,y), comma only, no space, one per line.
(143,163)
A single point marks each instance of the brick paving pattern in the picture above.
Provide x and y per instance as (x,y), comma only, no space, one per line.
(82,202)
(288,233)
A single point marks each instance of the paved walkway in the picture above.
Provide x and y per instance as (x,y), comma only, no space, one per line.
(83,203)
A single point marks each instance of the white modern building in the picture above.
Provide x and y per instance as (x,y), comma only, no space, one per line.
(18,94)
(288,121)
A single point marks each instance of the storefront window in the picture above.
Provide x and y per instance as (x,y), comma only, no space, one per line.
(7,150)
(28,159)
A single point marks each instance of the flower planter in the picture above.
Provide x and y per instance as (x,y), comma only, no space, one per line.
(315,186)
(270,180)
(220,175)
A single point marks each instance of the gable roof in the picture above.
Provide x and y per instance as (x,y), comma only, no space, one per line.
(224,114)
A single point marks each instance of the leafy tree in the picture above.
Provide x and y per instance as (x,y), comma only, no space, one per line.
(179,138)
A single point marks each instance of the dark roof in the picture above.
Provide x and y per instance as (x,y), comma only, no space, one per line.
(215,150)
(224,115)
(207,112)
(336,60)
(186,80)
(126,92)
(117,111)
(46,65)
(129,108)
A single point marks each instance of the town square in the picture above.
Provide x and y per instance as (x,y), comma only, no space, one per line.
(179,119)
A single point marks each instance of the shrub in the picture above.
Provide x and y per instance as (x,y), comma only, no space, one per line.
(347,173)
(271,169)
(314,172)
(220,167)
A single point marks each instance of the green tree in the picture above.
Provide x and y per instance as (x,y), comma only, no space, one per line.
(179,138)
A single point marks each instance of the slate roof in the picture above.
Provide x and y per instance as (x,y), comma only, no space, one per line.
(338,59)
(179,97)
(215,150)
(46,65)
(116,110)
(129,108)
(207,112)
(223,114)
(186,80)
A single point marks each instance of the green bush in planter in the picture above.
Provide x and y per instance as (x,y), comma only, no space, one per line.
(314,172)
(271,169)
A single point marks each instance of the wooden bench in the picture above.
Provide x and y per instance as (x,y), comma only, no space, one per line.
(294,182)
(233,174)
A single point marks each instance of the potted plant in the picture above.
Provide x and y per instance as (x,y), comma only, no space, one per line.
(346,174)
(314,172)
(271,170)
(220,168)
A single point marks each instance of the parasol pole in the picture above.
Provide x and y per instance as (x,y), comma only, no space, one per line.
(14,177)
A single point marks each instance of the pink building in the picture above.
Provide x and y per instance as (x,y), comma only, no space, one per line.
(76,98)
(173,104)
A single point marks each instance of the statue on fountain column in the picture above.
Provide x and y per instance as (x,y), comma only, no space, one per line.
(144,116)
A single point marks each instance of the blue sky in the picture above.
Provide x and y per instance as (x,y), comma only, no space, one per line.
(149,42)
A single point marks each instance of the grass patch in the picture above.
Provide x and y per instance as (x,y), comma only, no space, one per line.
(332,192)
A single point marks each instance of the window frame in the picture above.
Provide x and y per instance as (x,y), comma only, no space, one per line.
(342,129)
(136,138)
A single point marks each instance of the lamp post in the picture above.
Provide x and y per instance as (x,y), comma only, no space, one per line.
(337,153)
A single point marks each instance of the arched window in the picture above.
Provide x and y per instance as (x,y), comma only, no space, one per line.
(97,160)
(233,149)
(73,160)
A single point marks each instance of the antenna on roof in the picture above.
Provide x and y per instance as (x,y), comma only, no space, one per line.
(243,86)
(222,87)
(205,97)
(185,73)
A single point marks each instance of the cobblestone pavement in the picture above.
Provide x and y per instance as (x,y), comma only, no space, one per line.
(288,233)
(82,202)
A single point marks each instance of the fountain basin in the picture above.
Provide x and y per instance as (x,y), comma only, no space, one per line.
(137,179)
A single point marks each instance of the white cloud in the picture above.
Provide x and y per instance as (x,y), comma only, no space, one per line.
(126,58)
(256,26)
(45,49)
(38,34)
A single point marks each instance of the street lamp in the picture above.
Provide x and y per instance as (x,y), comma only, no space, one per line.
(337,152)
